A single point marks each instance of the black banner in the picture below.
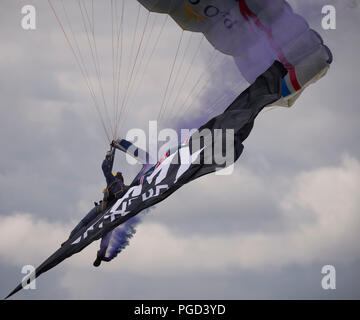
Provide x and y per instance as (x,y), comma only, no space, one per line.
(191,160)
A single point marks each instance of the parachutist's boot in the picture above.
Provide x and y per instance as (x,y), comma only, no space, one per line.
(97,262)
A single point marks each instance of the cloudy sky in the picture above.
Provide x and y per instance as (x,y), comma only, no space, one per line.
(291,206)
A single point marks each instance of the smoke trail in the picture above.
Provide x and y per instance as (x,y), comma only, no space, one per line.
(119,238)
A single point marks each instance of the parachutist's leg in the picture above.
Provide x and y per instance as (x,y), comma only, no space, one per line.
(97,262)
(100,256)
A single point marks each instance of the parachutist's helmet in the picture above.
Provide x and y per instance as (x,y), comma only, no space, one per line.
(118,175)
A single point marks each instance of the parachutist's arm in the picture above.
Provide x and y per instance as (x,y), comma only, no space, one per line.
(107,166)
(135,152)
(140,155)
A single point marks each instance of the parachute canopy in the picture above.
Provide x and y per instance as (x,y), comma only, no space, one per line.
(255,33)
(251,33)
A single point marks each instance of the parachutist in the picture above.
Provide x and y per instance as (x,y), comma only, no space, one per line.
(115,189)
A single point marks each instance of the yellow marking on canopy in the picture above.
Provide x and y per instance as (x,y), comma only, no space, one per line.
(193,13)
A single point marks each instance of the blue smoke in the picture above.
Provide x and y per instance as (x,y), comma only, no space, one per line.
(119,238)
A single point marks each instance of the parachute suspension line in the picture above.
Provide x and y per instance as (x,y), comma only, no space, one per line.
(137,65)
(120,37)
(209,64)
(136,83)
(190,68)
(155,46)
(180,68)
(79,61)
(85,20)
(94,55)
(222,100)
(125,97)
(202,88)
(93,15)
(131,57)
(162,109)
(94,50)
(141,60)
(124,92)
(91,22)
(113,54)
(90,32)
(190,106)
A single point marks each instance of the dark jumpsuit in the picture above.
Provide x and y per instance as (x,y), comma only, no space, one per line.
(114,189)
